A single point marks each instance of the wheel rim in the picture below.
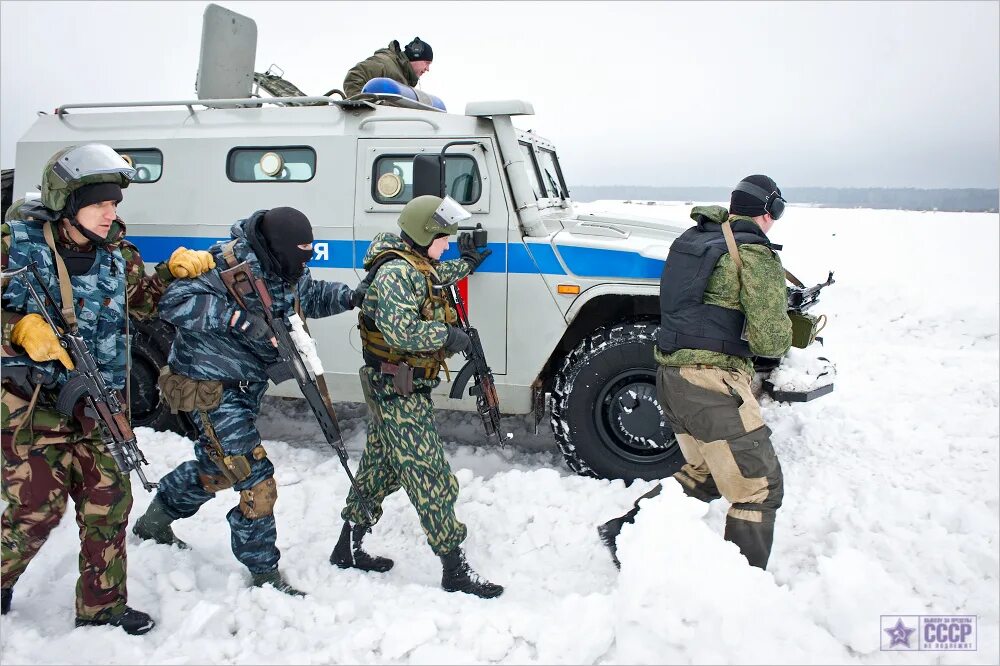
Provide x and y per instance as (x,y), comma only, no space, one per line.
(629,418)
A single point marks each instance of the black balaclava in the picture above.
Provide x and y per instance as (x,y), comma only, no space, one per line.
(282,230)
(87,196)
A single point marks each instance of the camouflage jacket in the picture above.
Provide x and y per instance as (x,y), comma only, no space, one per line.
(397,294)
(389,62)
(758,290)
(101,315)
(206,347)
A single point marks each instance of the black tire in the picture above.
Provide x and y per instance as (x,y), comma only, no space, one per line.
(605,414)
(150,349)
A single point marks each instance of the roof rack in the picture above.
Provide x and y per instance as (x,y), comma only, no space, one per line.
(238,102)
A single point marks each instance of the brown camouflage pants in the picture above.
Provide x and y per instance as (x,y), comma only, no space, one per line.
(723,438)
(50,461)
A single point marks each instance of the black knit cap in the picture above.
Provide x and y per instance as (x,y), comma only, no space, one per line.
(92,194)
(744,203)
(418,50)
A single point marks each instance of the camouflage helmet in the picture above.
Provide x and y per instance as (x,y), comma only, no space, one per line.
(427,217)
(76,166)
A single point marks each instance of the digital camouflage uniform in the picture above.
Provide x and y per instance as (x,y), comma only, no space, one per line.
(403,449)
(389,62)
(51,457)
(706,395)
(206,348)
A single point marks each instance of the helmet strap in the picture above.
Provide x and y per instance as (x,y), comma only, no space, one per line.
(87,233)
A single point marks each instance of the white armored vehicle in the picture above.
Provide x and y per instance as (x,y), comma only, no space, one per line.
(567,305)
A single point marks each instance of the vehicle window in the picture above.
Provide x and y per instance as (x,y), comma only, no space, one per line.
(393,179)
(531,167)
(290,164)
(551,174)
(148,163)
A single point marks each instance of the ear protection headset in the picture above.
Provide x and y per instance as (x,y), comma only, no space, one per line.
(774,203)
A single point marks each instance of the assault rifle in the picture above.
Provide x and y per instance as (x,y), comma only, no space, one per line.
(86,383)
(802,298)
(240,282)
(484,388)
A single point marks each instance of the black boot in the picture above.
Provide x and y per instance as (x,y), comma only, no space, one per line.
(610,530)
(275,579)
(753,539)
(5,597)
(458,576)
(154,525)
(348,553)
(129,619)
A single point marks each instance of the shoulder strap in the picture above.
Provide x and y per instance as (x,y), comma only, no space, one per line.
(385,257)
(734,251)
(65,286)
(229,253)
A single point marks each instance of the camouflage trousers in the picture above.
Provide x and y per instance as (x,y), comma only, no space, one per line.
(50,460)
(724,440)
(404,451)
(233,425)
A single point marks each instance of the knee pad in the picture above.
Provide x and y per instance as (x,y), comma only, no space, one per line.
(258,500)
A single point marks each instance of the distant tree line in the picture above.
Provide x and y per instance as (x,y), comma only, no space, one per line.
(903,198)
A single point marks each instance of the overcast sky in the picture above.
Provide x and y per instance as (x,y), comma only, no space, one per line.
(841,94)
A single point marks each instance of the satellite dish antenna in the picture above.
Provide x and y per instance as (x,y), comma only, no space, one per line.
(228,54)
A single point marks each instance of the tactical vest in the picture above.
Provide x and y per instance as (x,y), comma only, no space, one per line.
(99,294)
(686,321)
(374,347)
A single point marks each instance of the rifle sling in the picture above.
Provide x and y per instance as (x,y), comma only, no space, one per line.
(734,252)
(65,286)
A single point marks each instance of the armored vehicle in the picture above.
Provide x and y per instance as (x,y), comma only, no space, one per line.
(567,305)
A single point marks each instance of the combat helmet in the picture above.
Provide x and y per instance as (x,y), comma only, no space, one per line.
(426,217)
(73,167)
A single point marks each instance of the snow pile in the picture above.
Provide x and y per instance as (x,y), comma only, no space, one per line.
(803,370)
(891,507)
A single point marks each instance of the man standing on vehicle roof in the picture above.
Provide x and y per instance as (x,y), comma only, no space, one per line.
(407,332)
(75,238)
(723,300)
(220,362)
(404,66)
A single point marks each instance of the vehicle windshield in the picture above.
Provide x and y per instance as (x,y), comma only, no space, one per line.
(551,174)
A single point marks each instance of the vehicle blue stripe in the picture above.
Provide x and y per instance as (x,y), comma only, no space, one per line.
(598,262)
(521,257)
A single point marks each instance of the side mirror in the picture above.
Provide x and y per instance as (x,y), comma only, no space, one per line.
(427,175)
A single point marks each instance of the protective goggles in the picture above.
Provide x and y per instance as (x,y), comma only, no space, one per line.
(774,203)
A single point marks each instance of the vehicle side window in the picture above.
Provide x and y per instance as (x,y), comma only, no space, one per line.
(267,164)
(392,180)
(531,166)
(147,162)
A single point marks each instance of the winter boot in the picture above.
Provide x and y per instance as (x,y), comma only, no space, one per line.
(348,553)
(129,619)
(5,597)
(275,579)
(610,530)
(458,576)
(753,539)
(154,525)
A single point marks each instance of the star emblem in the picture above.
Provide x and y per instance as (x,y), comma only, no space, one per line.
(899,634)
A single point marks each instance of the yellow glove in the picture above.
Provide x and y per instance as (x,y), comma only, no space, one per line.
(185,263)
(38,339)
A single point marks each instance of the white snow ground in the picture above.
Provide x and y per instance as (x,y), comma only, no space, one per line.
(891,507)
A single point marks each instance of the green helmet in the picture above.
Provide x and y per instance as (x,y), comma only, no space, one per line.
(426,217)
(76,166)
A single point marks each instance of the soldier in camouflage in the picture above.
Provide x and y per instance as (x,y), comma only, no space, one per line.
(220,362)
(48,456)
(407,332)
(404,66)
(723,300)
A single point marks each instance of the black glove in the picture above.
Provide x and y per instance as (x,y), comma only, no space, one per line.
(472,254)
(251,325)
(358,295)
(457,340)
